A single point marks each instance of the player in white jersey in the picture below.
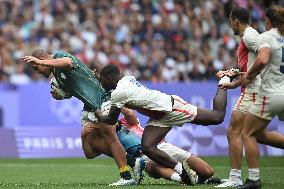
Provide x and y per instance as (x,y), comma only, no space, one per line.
(130,132)
(270,100)
(239,21)
(164,111)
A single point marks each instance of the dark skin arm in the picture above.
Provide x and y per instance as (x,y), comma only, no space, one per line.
(232,85)
(111,118)
(215,116)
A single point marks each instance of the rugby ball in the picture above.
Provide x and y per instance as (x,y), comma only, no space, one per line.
(54,86)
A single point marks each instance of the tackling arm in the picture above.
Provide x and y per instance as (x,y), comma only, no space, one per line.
(111,118)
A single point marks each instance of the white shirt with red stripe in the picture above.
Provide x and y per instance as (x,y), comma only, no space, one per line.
(130,92)
(246,54)
(273,74)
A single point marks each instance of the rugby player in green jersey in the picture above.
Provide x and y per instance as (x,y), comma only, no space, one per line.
(78,80)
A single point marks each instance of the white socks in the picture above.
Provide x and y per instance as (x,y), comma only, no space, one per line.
(254,174)
(176,177)
(178,168)
(235,174)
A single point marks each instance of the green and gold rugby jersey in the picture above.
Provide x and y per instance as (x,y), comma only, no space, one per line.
(80,82)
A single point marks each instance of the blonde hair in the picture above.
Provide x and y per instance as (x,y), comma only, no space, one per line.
(276,16)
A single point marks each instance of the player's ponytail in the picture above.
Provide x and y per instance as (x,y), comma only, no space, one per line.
(276,16)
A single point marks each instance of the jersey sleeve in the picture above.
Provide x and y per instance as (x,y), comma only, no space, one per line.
(264,41)
(250,39)
(118,98)
(65,54)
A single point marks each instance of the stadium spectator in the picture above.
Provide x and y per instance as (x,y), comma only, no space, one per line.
(154,40)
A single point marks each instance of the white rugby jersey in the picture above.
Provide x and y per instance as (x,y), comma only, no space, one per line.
(273,74)
(246,56)
(130,92)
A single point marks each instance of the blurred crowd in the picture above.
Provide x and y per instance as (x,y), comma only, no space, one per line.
(154,40)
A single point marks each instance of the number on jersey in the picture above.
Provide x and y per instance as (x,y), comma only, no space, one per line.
(134,81)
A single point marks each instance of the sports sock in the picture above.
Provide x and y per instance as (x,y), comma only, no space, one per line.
(254,174)
(178,168)
(175,177)
(125,173)
(235,174)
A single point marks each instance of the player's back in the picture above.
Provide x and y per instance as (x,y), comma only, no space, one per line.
(80,82)
(132,93)
(273,74)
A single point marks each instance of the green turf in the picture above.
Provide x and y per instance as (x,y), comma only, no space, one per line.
(98,173)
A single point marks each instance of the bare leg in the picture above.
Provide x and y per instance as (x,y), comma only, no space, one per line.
(198,165)
(202,169)
(252,126)
(235,139)
(150,139)
(102,138)
(87,135)
(117,151)
(99,146)
(157,171)
(270,138)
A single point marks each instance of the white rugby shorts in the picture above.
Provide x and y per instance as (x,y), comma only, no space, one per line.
(268,106)
(245,101)
(182,112)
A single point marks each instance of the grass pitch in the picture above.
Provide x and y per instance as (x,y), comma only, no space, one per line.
(98,173)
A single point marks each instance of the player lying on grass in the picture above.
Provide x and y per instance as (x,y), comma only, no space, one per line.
(130,133)
(164,111)
(79,81)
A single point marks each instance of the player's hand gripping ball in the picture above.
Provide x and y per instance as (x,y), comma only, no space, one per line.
(57,92)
